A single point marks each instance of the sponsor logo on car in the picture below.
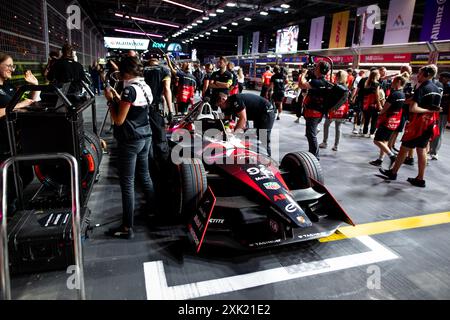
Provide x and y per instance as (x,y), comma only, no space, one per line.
(279,197)
(272,186)
(264,243)
(313,235)
(291,207)
(217,221)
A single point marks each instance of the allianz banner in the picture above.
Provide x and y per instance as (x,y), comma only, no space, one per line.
(339,29)
(398,25)
(316,33)
(436,21)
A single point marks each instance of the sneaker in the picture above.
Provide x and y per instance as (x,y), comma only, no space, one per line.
(278,117)
(120,232)
(395,149)
(372,136)
(389,174)
(409,161)
(376,163)
(323,145)
(318,130)
(297,121)
(367,135)
(355,131)
(335,148)
(392,161)
(434,157)
(417,182)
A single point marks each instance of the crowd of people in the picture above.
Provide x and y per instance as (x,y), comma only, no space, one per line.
(150,89)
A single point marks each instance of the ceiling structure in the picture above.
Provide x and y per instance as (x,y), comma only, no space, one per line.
(214,25)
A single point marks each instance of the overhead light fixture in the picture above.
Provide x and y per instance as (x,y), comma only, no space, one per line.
(215,30)
(247,19)
(205,18)
(234,24)
(183,5)
(223,27)
(147,20)
(285,6)
(286,11)
(220,11)
(212,14)
(189,27)
(202,36)
(199,21)
(231,4)
(165,40)
(194,24)
(208,33)
(264,13)
(139,33)
(196,38)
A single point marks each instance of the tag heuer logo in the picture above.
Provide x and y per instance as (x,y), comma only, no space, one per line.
(271,186)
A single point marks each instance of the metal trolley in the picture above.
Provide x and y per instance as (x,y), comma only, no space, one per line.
(75,209)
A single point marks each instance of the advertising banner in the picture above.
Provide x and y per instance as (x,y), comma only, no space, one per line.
(398,25)
(380,58)
(436,21)
(126,43)
(255,42)
(316,33)
(240,45)
(287,40)
(339,28)
(365,33)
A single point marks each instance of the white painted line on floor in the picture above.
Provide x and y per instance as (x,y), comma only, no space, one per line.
(157,288)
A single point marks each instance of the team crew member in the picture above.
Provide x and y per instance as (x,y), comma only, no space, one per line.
(7,92)
(277,83)
(251,107)
(265,80)
(371,102)
(66,69)
(435,145)
(422,127)
(206,90)
(241,80)
(357,102)
(337,116)
(133,133)
(158,79)
(389,120)
(221,80)
(314,102)
(234,88)
(186,86)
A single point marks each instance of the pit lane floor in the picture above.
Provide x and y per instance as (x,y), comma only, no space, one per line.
(386,257)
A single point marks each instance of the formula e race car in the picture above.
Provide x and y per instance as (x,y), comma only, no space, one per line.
(233,196)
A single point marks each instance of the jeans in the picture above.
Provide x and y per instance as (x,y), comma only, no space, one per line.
(435,145)
(133,160)
(311,135)
(326,128)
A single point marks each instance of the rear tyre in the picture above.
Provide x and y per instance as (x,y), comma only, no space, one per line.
(299,168)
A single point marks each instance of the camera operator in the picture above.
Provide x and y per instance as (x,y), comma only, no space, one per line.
(314,102)
(133,134)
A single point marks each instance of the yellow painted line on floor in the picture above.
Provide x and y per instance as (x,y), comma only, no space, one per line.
(389,226)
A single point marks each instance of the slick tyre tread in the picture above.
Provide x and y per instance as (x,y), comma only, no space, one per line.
(91,137)
(193,183)
(301,166)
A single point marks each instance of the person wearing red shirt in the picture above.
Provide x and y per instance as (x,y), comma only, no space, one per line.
(266,83)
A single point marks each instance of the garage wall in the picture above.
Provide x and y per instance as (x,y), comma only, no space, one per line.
(29,30)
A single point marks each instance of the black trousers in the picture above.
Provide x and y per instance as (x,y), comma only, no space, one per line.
(265,122)
(311,135)
(370,116)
